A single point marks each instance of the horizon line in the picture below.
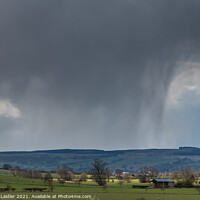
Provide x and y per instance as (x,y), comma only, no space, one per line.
(92,149)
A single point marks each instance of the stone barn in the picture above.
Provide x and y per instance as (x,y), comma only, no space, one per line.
(163,183)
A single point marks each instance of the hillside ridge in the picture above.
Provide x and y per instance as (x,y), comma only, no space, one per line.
(127,160)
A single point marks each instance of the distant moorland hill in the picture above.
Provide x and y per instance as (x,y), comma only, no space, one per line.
(127,160)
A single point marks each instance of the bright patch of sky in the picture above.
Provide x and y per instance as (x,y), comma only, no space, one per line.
(181,115)
(8,110)
(185,87)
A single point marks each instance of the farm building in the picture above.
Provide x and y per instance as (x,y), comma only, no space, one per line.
(125,173)
(163,183)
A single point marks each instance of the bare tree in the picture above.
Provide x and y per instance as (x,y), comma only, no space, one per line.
(184,177)
(50,185)
(98,172)
(36,174)
(49,180)
(186,172)
(118,173)
(143,176)
(153,171)
(61,181)
(27,174)
(108,174)
(65,174)
(16,171)
(176,176)
(47,177)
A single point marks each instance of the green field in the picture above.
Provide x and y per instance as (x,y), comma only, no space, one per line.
(112,191)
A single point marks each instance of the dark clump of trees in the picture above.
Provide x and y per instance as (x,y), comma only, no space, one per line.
(99,172)
(65,173)
(146,173)
(24,173)
(7,167)
(34,174)
(48,179)
(83,177)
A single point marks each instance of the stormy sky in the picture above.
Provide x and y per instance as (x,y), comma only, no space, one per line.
(103,74)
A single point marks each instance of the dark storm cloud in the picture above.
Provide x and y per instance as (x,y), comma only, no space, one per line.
(91,74)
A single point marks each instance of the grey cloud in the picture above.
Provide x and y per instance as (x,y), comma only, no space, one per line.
(95,73)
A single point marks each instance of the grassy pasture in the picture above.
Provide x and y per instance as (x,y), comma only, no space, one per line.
(111,192)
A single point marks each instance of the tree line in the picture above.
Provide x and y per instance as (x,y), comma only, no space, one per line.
(100,173)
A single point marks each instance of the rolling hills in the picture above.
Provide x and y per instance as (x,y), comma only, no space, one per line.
(127,160)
